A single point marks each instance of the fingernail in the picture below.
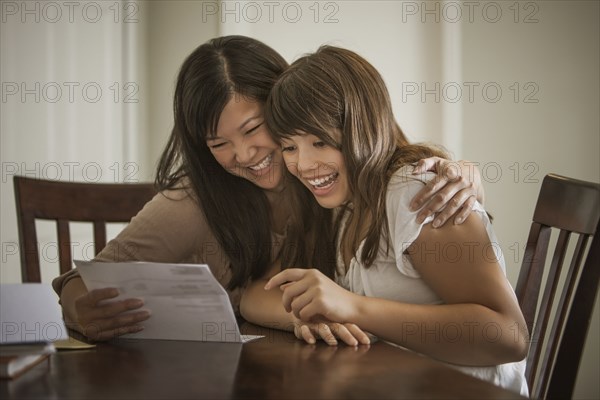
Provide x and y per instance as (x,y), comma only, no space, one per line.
(436,223)
(458,220)
(135,303)
(145,315)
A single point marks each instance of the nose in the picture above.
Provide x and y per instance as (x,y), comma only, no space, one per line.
(245,152)
(306,162)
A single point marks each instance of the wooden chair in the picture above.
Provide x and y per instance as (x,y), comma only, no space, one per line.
(62,202)
(572,207)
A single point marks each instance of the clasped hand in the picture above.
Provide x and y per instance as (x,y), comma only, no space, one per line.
(321,307)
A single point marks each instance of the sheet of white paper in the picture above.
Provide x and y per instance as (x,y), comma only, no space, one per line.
(29,312)
(185,300)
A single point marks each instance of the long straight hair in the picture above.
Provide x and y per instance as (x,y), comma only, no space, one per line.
(333,90)
(237,211)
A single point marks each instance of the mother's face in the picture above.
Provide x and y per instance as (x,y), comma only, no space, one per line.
(243,145)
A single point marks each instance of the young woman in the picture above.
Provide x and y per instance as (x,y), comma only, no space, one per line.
(441,292)
(224,198)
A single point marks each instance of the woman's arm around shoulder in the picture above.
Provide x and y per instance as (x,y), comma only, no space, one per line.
(451,194)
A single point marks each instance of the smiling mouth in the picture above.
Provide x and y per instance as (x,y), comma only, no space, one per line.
(324,182)
(265,163)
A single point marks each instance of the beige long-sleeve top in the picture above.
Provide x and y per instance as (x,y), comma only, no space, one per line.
(171,228)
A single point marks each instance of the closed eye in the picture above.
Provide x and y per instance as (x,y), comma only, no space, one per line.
(319,144)
(217,145)
(254,129)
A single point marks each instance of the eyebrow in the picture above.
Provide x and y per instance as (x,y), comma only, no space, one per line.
(214,137)
(248,120)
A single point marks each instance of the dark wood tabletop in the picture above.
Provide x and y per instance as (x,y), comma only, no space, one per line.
(278,366)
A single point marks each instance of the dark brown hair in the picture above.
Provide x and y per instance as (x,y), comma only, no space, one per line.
(336,89)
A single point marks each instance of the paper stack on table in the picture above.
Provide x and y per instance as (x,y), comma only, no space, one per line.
(30,320)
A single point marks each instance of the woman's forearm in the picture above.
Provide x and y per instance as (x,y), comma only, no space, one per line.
(264,307)
(71,291)
(467,334)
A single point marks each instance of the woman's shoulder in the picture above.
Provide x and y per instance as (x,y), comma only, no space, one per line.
(176,206)
(404,185)
(403,181)
(401,189)
(181,190)
(169,228)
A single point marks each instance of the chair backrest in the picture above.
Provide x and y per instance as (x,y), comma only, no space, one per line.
(62,202)
(572,207)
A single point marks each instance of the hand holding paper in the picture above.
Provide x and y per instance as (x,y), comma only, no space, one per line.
(99,317)
(185,301)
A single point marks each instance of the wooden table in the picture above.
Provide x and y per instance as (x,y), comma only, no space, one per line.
(275,367)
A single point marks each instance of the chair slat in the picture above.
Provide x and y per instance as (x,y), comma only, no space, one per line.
(64,245)
(29,250)
(541,322)
(532,270)
(99,236)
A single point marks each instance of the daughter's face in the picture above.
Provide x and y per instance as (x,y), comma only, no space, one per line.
(319,167)
(243,145)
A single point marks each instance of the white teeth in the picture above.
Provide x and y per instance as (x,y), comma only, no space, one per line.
(321,182)
(263,164)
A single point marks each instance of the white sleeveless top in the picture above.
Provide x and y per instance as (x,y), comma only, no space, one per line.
(393,277)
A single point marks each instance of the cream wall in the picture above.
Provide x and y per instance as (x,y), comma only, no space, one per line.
(548,48)
(176,28)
